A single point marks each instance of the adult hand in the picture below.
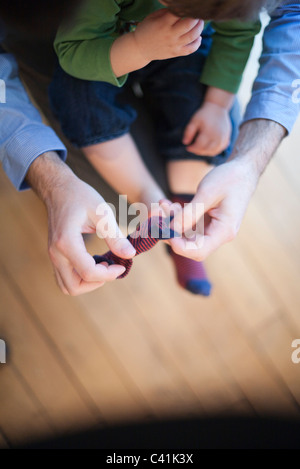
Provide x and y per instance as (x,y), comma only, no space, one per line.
(224,195)
(72,206)
(225,192)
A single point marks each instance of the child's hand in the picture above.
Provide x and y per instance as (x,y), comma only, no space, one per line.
(209,130)
(163,35)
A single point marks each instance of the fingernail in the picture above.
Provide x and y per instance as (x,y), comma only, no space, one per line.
(128,251)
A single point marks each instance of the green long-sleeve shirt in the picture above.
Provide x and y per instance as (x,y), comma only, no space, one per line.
(83,48)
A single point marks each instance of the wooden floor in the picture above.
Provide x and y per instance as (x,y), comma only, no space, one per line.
(142,348)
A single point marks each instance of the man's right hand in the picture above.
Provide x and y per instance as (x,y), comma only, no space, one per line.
(71,206)
(225,192)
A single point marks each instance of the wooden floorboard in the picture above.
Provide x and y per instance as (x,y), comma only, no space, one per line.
(279,203)
(153,328)
(62,322)
(287,159)
(143,348)
(36,363)
(275,266)
(275,343)
(21,416)
(4,444)
(244,365)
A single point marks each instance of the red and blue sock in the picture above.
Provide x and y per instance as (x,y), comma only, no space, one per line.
(191,274)
(143,239)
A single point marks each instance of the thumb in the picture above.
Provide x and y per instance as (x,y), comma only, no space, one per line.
(108,229)
(190,133)
(191,214)
(121,246)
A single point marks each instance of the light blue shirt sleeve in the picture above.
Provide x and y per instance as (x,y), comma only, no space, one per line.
(276,90)
(23,136)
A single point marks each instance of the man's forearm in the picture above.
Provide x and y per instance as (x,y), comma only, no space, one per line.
(257,142)
(46,173)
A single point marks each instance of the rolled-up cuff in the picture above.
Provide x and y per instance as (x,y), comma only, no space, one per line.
(25,147)
(273,107)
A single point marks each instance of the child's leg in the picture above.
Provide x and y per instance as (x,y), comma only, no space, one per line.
(120,164)
(89,112)
(184,177)
(174,93)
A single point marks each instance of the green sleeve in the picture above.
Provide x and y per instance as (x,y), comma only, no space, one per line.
(83,47)
(231,47)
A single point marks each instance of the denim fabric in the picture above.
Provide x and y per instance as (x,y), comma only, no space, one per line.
(91,112)
(88,111)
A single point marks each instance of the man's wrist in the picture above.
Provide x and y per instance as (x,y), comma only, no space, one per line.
(46,173)
(257,142)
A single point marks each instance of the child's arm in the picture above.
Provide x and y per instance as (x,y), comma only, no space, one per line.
(91,48)
(159,36)
(209,130)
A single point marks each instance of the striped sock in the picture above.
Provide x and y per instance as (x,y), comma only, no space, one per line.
(143,239)
(191,274)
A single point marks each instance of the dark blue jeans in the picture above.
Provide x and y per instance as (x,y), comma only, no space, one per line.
(91,112)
